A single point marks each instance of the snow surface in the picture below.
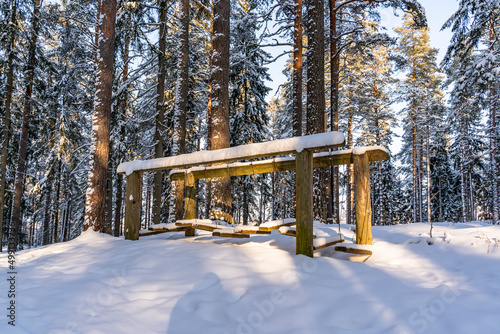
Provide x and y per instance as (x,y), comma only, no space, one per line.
(275,147)
(363,149)
(167,283)
(163,226)
(278,222)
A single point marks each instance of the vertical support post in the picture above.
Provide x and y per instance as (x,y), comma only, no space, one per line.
(303,209)
(189,201)
(133,206)
(362,199)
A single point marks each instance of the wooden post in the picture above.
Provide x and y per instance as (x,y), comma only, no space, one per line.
(362,199)
(133,206)
(189,202)
(304,195)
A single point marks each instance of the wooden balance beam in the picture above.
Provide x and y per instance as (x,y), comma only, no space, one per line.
(304,163)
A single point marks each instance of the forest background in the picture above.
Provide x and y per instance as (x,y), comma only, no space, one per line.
(86,85)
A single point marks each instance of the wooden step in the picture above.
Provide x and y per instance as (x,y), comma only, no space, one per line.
(230,234)
(328,244)
(352,250)
(204,227)
(293,233)
(174,229)
(272,228)
(254,231)
(145,233)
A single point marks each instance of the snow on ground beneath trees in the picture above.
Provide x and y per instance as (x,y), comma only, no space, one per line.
(170,284)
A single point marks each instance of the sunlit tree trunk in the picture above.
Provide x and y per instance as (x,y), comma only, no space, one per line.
(219,133)
(297,70)
(99,151)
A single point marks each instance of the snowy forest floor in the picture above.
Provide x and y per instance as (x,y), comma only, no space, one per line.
(170,284)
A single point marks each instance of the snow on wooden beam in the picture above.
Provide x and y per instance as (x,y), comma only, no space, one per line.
(323,159)
(244,152)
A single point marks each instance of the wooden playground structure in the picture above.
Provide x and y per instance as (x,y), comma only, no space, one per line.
(199,165)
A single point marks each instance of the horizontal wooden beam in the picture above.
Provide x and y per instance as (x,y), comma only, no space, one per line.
(328,244)
(353,250)
(324,159)
(230,234)
(320,141)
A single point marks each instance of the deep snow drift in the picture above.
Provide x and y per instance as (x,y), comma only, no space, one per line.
(208,285)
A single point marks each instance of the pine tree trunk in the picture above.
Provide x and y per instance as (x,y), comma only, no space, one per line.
(428,156)
(381,214)
(208,182)
(67,226)
(333,207)
(297,76)
(316,93)
(420,176)
(221,187)
(108,218)
(56,202)
(21,167)
(493,154)
(463,162)
(297,70)
(414,167)
(99,151)
(160,111)
(493,134)
(124,107)
(245,201)
(7,109)
(181,105)
(350,175)
(46,213)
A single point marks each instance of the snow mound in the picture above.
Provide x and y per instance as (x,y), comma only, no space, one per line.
(166,283)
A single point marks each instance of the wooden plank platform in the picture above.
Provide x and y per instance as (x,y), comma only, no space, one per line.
(254,231)
(272,228)
(145,233)
(199,226)
(350,250)
(230,234)
(328,244)
(293,233)
(175,229)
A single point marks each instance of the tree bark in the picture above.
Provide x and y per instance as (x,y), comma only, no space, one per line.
(181,105)
(297,70)
(7,109)
(221,187)
(21,167)
(46,213)
(350,177)
(428,165)
(56,202)
(160,111)
(493,134)
(333,207)
(99,151)
(124,107)
(316,92)
(108,217)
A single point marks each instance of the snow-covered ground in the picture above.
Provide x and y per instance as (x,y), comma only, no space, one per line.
(170,284)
